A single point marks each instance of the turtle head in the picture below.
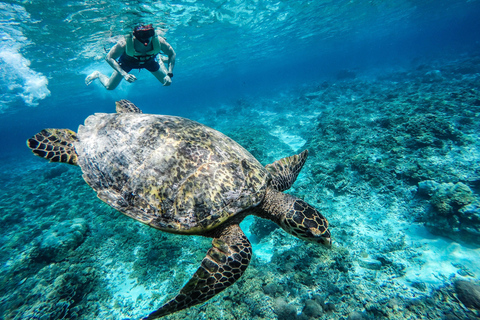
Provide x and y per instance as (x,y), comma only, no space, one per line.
(305,222)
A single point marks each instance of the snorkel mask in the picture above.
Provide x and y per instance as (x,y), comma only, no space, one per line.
(144,33)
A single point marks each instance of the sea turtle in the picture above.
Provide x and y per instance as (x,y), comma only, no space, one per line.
(180,176)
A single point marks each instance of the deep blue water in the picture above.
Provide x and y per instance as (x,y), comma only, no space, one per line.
(266,73)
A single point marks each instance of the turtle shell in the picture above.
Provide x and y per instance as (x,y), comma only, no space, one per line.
(171,173)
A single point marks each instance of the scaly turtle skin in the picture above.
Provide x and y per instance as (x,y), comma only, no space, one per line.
(180,176)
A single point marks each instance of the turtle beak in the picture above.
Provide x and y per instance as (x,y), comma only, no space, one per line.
(315,235)
(327,242)
(325,239)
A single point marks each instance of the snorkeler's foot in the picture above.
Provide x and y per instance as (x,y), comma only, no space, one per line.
(94,75)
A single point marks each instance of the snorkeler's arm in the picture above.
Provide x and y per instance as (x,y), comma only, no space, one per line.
(168,50)
(112,57)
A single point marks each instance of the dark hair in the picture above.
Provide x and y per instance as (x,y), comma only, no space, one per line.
(143,31)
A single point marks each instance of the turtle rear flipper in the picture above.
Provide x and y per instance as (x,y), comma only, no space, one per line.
(285,171)
(224,264)
(56,145)
(125,106)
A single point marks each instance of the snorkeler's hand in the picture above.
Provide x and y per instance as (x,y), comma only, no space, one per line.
(129,77)
(167,81)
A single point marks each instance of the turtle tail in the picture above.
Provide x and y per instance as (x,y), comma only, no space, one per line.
(56,145)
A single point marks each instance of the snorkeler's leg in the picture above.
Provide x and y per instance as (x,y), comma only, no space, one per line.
(92,76)
(109,83)
(112,82)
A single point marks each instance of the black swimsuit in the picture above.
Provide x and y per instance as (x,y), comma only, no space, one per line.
(128,63)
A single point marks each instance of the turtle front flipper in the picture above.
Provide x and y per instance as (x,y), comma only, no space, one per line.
(56,145)
(224,264)
(285,171)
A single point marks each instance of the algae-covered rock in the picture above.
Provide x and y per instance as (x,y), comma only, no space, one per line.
(427,187)
(56,243)
(355,315)
(369,263)
(448,198)
(284,310)
(273,289)
(312,309)
(455,210)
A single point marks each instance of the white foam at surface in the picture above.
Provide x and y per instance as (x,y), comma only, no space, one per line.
(16,75)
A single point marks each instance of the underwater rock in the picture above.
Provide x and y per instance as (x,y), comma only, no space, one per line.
(355,315)
(312,309)
(394,304)
(471,211)
(55,244)
(448,198)
(427,187)
(377,310)
(432,76)
(455,210)
(56,291)
(273,289)
(284,310)
(469,293)
(419,285)
(371,264)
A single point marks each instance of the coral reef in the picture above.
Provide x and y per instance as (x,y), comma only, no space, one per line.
(455,210)
(56,243)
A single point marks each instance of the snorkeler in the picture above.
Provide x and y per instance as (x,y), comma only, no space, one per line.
(137,51)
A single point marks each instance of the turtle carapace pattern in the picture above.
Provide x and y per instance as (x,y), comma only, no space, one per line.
(180,176)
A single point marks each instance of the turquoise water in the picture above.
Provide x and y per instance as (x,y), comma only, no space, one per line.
(385,96)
